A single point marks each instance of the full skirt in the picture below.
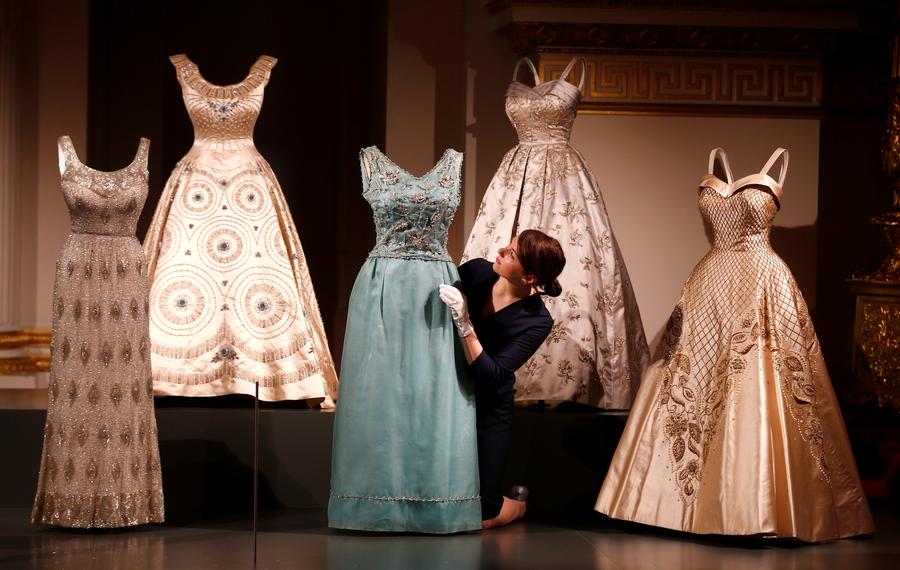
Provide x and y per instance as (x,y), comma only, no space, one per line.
(596,352)
(232,305)
(404,451)
(736,429)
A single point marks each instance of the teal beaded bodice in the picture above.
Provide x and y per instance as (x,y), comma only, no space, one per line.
(412,214)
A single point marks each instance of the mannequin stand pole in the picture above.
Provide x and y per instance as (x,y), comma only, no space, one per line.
(255,468)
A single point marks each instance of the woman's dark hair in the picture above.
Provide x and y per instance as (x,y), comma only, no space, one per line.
(543,257)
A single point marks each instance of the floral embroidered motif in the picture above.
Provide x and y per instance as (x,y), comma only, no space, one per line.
(796,376)
(692,406)
(543,183)
(412,214)
(225,353)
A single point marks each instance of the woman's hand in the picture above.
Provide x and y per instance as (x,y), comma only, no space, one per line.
(454,298)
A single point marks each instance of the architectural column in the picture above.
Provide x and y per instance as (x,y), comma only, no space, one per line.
(9,170)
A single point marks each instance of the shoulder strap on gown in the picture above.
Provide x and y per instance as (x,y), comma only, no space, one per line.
(263,65)
(779,153)
(719,153)
(366,167)
(571,65)
(140,157)
(537,78)
(65,153)
(714,180)
(456,159)
(783,154)
(181,62)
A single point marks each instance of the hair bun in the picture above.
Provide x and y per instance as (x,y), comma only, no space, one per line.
(553,289)
(542,257)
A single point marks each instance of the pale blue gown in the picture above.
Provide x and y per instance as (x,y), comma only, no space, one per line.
(404,450)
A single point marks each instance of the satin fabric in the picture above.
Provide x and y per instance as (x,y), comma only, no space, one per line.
(596,352)
(232,305)
(736,429)
(404,449)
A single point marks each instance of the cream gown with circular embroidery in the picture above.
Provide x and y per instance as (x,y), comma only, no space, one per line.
(231,300)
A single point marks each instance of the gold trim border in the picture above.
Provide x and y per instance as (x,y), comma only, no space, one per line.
(25,339)
(669,85)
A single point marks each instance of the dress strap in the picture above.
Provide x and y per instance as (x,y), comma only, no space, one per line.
(719,153)
(779,153)
(455,168)
(65,153)
(571,65)
(537,78)
(263,65)
(366,167)
(183,65)
(140,157)
(180,60)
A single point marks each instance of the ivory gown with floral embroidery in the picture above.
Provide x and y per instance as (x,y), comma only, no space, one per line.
(231,301)
(596,351)
(736,429)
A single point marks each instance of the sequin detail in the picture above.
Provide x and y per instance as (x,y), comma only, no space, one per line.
(84,480)
(224,218)
(412,214)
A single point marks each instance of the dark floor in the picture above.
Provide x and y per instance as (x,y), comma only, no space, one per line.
(300,539)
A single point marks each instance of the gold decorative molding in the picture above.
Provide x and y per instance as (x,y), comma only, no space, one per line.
(704,57)
(495,6)
(889,222)
(876,342)
(28,340)
(548,37)
(632,83)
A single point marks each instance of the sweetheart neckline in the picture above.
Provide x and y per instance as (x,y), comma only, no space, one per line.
(773,183)
(534,88)
(736,186)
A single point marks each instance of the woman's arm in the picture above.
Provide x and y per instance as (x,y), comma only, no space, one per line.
(471,347)
(485,367)
(493,368)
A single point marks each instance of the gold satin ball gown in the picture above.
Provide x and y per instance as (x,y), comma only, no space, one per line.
(736,429)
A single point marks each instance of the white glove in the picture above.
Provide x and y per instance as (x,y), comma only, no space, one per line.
(454,299)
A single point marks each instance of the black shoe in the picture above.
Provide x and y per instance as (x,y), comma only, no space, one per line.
(519,493)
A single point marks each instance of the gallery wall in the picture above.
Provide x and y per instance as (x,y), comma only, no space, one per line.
(53,101)
(648,168)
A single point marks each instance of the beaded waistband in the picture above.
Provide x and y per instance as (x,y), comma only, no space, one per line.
(104,235)
(419,256)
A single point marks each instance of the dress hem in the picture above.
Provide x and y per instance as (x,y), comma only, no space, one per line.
(223,387)
(768,533)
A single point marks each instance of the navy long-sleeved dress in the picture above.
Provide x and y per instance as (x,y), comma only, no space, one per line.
(509,337)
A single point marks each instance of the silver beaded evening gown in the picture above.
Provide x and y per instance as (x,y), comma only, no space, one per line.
(100,463)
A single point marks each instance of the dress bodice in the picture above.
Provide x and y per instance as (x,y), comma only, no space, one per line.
(103,203)
(412,214)
(740,212)
(226,112)
(543,114)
